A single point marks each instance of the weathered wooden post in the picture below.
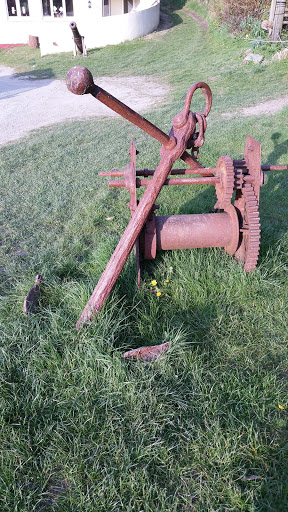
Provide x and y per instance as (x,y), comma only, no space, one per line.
(278,19)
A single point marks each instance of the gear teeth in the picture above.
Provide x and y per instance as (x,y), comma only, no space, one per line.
(238,178)
(253,237)
(225,171)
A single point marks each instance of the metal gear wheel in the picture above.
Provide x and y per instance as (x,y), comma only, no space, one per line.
(238,178)
(249,244)
(224,171)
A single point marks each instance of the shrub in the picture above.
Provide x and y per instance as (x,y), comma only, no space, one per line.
(233,12)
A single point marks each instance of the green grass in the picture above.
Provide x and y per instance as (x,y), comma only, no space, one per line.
(201,428)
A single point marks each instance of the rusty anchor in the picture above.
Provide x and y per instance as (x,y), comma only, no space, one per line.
(232,226)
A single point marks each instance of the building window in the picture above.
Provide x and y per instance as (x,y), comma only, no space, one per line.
(18,7)
(46,8)
(128,6)
(57,8)
(69,8)
(106,8)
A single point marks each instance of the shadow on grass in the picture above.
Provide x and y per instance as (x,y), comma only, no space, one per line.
(70,268)
(273,493)
(280,148)
(94,51)
(274,209)
(203,202)
(37,74)
(163,315)
(273,196)
(168,17)
(18,83)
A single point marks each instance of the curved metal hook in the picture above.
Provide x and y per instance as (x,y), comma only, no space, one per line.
(202,122)
(207,95)
(182,117)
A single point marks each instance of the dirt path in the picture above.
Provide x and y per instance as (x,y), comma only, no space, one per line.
(28,104)
(196,18)
(266,108)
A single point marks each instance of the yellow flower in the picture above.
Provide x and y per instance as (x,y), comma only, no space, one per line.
(166,280)
(281,407)
(153,282)
(159,295)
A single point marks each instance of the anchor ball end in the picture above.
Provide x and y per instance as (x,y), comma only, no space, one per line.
(79,80)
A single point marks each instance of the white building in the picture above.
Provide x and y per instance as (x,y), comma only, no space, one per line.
(101,22)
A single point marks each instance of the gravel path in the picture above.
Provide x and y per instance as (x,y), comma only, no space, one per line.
(267,108)
(28,104)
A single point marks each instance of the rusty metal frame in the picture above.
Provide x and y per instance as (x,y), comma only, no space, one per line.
(236,227)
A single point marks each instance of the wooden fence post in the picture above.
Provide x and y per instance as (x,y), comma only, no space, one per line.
(272,10)
(278,19)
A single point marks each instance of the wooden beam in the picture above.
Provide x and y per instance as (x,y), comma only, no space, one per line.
(278,19)
(272,10)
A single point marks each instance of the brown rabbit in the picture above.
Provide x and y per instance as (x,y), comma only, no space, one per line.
(31,301)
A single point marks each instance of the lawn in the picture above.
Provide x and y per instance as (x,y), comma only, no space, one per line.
(204,428)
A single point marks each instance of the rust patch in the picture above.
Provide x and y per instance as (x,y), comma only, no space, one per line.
(147,353)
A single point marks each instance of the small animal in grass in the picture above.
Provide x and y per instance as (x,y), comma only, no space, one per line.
(32,299)
(267,25)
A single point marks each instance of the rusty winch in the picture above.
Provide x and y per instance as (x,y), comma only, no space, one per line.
(234,221)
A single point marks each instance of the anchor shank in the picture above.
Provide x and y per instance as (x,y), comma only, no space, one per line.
(125,245)
(124,111)
(79,80)
(129,114)
(137,221)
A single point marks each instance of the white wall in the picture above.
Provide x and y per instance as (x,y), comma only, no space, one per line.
(56,36)
(17,29)
(116,7)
